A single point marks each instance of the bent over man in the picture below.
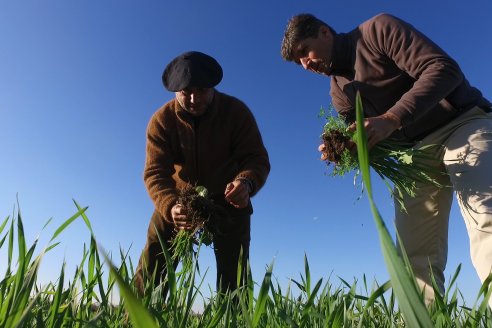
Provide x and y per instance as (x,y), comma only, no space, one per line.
(201,137)
(411,91)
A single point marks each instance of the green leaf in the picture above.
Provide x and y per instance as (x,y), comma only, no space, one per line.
(68,222)
(262,296)
(202,191)
(139,315)
(410,302)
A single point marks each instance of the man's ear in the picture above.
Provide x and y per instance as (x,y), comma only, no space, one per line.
(324,32)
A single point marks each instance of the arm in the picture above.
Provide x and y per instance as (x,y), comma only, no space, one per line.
(400,46)
(377,128)
(436,74)
(252,156)
(159,167)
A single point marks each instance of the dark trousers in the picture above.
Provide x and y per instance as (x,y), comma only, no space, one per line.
(227,248)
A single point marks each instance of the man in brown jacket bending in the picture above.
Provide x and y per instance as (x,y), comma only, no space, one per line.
(411,91)
(207,138)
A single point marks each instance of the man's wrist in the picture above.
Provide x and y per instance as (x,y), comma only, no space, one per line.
(394,119)
(248,182)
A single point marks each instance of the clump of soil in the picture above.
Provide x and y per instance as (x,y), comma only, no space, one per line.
(206,217)
(336,143)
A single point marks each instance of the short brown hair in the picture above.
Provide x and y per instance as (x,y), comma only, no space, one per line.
(298,28)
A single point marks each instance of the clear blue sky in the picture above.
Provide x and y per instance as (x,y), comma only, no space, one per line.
(79,81)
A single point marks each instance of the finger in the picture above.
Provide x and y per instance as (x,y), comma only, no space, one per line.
(177,209)
(240,204)
(229,188)
(321,147)
(239,199)
(352,127)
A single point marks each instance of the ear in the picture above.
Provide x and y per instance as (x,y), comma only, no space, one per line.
(324,32)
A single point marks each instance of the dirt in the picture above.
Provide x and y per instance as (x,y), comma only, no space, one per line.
(204,214)
(335,144)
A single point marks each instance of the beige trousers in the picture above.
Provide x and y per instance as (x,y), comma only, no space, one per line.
(464,147)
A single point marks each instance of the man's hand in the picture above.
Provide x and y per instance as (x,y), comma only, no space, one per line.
(378,128)
(181,221)
(324,154)
(237,193)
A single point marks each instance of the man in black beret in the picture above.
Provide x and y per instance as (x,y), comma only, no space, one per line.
(202,137)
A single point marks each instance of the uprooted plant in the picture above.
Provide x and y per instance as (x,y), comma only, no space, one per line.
(401,165)
(206,220)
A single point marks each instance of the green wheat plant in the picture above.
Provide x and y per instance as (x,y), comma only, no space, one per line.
(205,219)
(400,165)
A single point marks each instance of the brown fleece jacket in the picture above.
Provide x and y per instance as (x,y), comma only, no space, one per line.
(212,150)
(398,69)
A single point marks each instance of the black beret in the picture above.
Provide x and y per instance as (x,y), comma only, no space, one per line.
(191,69)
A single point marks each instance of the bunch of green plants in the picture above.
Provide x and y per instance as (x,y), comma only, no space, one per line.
(401,165)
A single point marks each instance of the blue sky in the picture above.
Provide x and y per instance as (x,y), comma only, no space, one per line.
(79,81)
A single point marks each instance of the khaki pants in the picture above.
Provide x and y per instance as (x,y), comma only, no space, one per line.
(465,150)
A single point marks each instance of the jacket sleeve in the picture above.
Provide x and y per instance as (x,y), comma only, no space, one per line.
(341,103)
(436,74)
(249,149)
(159,168)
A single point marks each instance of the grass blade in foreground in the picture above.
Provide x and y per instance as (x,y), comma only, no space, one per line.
(410,302)
(260,307)
(139,315)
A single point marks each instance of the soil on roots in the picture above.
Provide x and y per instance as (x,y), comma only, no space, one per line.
(203,213)
(335,143)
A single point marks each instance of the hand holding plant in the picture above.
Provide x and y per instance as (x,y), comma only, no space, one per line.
(399,164)
(198,219)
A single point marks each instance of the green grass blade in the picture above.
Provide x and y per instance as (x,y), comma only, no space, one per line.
(26,315)
(171,274)
(374,296)
(84,216)
(20,298)
(10,249)
(139,315)
(55,306)
(308,276)
(3,240)
(217,316)
(68,222)
(410,302)
(262,296)
(4,223)
(239,271)
(310,302)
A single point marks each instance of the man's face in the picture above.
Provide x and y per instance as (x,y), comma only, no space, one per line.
(195,100)
(314,54)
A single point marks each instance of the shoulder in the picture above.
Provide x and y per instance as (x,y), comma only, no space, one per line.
(383,25)
(231,104)
(234,111)
(228,100)
(384,32)
(164,116)
(167,109)
(383,19)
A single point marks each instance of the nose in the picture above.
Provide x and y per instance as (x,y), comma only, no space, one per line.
(193,98)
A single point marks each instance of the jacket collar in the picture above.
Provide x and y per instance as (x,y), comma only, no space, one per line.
(343,56)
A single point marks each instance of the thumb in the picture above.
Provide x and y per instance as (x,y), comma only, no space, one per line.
(352,127)
(229,187)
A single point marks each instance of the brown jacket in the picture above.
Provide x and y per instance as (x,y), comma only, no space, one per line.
(211,151)
(398,69)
